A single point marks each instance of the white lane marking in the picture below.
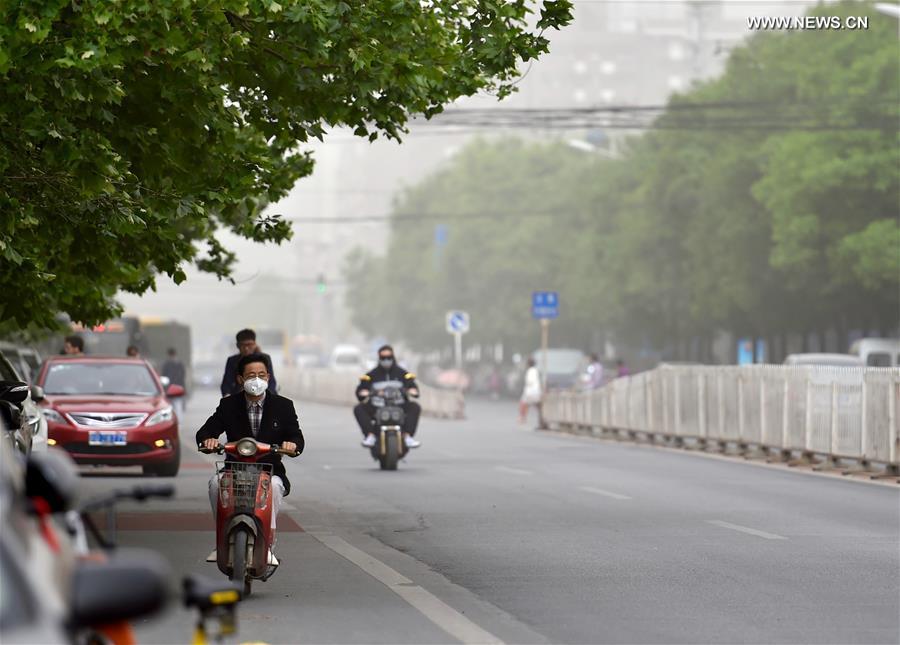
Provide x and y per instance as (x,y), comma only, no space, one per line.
(747,529)
(429,605)
(326,467)
(512,471)
(605,493)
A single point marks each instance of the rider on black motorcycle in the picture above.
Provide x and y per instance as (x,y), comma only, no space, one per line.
(387,370)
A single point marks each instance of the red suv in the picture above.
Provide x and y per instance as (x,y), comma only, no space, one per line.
(111,411)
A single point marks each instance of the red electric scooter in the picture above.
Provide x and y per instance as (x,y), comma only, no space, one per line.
(244,533)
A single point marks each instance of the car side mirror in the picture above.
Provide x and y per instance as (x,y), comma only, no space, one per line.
(130,584)
(13,391)
(37,393)
(175,390)
(53,477)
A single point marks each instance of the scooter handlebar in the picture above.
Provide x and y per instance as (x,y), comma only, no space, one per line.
(221,449)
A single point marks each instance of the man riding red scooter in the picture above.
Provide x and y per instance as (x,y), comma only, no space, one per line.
(246,491)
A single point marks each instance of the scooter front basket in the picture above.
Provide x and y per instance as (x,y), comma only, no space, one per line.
(240,480)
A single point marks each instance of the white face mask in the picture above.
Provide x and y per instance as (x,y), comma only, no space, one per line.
(255,386)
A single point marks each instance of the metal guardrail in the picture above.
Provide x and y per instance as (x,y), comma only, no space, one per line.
(339,388)
(791,413)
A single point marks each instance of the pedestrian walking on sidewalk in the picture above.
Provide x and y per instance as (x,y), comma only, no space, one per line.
(532,393)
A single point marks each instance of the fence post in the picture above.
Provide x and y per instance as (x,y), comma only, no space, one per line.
(628,404)
(763,426)
(833,449)
(785,418)
(720,420)
(701,405)
(892,419)
(677,429)
(863,429)
(648,404)
(665,402)
(740,405)
(807,441)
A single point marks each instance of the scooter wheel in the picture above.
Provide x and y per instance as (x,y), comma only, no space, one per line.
(239,571)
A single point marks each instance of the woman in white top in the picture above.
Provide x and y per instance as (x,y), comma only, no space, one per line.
(531,393)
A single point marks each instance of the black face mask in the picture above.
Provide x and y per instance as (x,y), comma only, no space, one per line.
(386,363)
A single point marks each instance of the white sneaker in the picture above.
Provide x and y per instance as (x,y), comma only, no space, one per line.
(212,557)
(369,441)
(411,442)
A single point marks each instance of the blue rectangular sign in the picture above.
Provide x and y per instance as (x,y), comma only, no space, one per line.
(545,304)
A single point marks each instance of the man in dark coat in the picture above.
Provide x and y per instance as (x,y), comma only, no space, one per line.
(387,370)
(256,413)
(246,344)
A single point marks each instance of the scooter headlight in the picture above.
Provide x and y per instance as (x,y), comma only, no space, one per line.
(246,447)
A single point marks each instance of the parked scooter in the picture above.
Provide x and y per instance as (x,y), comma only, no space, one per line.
(109,588)
(137,580)
(387,398)
(244,533)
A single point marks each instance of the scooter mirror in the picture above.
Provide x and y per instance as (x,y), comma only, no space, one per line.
(53,477)
(131,584)
(13,391)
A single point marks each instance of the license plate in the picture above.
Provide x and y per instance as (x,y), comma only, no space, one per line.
(107,438)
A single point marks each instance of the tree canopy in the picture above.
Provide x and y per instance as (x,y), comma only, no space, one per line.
(763,202)
(130,132)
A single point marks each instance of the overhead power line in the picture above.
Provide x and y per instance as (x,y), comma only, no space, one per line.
(401,217)
(714,116)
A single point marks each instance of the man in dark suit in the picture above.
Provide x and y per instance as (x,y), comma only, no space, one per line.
(246,344)
(256,413)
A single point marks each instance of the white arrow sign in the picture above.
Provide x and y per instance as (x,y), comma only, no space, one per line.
(457,322)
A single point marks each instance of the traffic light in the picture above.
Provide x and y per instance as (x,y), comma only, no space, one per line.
(321,287)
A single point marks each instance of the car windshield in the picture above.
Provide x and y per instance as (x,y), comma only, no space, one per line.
(347,359)
(879,359)
(560,361)
(100,378)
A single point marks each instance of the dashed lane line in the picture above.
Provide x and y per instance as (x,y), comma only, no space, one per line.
(512,471)
(747,530)
(604,493)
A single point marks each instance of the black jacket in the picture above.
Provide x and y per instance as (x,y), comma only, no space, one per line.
(396,373)
(279,424)
(229,378)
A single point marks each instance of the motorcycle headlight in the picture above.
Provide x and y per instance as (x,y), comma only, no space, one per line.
(396,415)
(161,416)
(246,447)
(53,416)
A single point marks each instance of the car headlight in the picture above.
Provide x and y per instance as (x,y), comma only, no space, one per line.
(53,416)
(246,447)
(161,416)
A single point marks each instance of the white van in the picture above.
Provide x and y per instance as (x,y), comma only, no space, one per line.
(877,352)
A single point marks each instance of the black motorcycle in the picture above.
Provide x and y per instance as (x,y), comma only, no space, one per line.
(388,398)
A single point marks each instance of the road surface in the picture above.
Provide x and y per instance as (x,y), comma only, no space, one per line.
(496,533)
